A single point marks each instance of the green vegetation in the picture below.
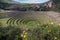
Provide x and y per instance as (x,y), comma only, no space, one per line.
(28,29)
(24,26)
(32,23)
(56,1)
(48,31)
(3,21)
(10,33)
(57,5)
(6,4)
(18,22)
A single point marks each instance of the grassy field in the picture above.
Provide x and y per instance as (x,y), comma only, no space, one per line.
(29,26)
(19,22)
(3,21)
(18,19)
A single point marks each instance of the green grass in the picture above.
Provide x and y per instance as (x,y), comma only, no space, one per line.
(32,23)
(3,21)
(2,12)
(38,19)
(37,29)
(26,22)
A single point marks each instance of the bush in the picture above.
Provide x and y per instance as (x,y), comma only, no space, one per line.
(10,33)
(45,32)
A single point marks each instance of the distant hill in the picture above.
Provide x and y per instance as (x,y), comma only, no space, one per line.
(57,5)
(11,5)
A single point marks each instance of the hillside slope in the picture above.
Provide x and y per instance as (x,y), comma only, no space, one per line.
(53,16)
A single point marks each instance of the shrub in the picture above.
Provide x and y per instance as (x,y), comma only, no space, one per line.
(10,33)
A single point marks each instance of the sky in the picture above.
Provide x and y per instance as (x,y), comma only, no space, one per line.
(31,1)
